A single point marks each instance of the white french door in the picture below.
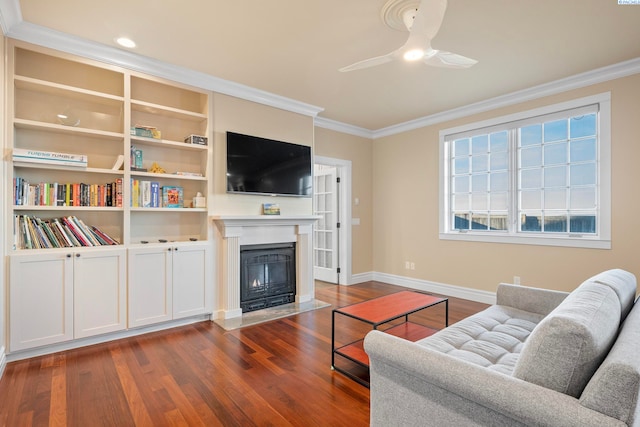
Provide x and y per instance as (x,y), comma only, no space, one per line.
(326,238)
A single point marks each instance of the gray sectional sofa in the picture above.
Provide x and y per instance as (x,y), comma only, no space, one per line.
(535,358)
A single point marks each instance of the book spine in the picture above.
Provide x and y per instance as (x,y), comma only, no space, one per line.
(145,191)
(82,240)
(119,192)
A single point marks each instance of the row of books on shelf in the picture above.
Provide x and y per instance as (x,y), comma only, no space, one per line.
(26,193)
(149,194)
(31,232)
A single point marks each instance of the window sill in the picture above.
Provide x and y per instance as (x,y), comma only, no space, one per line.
(563,241)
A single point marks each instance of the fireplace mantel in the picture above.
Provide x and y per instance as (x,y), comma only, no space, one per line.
(231,225)
(237,230)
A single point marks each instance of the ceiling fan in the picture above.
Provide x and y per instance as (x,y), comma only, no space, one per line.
(423,24)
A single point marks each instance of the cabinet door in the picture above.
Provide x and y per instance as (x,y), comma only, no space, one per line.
(150,290)
(192,285)
(99,289)
(40,300)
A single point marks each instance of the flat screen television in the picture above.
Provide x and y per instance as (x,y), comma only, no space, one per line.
(265,166)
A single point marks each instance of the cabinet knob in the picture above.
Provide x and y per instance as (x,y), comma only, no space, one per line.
(175,249)
(68,255)
(169,249)
(77,255)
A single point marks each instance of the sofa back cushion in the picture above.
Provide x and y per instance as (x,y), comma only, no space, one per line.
(623,284)
(615,386)
(567,346)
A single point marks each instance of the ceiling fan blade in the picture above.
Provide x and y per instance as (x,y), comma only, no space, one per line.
(426,23)
(449,60)
(371,62)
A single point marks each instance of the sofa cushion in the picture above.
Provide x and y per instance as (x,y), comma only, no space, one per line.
(615,386)
(492,338)
(623,284)
(568,345)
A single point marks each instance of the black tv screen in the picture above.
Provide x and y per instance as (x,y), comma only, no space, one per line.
(264,166)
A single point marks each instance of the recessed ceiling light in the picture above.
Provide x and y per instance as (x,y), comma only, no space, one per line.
(125,42)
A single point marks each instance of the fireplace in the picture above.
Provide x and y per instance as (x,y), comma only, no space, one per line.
(236,231)
(267,275)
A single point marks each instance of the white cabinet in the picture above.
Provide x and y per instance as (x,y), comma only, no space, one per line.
(169,281)
(192,281)
(40,300)
(99,292)
(61,295)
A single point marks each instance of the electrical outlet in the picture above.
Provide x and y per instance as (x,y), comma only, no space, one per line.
(407,265)
(412,266)
(516,280)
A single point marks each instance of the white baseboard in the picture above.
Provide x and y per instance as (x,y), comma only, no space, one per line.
(83,342)
(485,297)
(361,278)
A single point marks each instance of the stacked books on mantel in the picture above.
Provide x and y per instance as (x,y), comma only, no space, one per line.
(30,232)
(49,157)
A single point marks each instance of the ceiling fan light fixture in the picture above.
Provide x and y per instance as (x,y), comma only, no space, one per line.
(413,55)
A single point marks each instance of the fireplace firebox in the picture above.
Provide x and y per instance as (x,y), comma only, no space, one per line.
(267,275)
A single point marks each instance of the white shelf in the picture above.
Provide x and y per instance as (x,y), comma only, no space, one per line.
(67,208)
(185,210)
(44,166)
(66,91)
(167,176)
(162,110)
(56,128)
(167,143)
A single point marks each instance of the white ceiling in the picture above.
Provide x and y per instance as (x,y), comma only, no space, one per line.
(293,48)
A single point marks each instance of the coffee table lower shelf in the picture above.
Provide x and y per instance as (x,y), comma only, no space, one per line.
(355,351)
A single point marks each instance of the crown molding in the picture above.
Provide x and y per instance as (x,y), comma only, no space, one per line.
(46,37)
(10,14)
(341,127)
(599,75)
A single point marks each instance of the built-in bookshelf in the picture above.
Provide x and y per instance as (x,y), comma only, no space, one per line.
(72,211)
(64,104)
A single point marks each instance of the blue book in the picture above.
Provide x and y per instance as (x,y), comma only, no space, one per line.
(155,194)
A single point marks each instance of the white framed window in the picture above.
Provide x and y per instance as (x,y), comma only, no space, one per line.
(537,177)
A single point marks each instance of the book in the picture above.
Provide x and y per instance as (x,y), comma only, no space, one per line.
(172,197)
(135,193)
(119,192)
(145,192)
(137,159)
(155,194)
(49,157)
(117,165)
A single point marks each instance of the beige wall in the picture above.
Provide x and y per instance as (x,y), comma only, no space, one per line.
(359,151)
(405,206)
(237,115)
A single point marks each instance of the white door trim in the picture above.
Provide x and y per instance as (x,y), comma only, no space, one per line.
(344,172)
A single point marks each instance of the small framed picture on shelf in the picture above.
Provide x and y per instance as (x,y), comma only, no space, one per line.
(270,209)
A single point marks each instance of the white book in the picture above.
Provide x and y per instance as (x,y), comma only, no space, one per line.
(145,190)
(49,157)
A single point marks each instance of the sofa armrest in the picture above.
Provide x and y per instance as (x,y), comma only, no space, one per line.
(412,385)
(533,300)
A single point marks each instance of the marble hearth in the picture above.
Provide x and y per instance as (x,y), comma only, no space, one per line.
(235,231)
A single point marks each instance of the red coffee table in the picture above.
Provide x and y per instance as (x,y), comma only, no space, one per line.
(378,312)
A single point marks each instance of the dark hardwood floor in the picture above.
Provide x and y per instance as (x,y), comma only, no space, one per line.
(272,374)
